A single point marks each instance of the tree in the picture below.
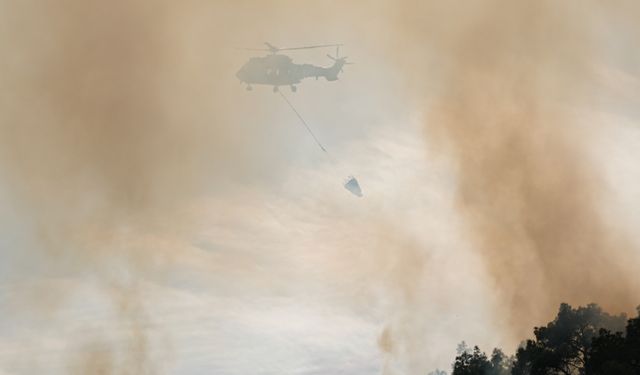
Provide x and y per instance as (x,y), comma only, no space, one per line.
(563,345)
(613,353)
(476,363)
(463,348)
(501,364)
(581,341)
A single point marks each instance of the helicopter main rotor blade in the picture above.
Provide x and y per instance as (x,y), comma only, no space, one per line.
(309,47)
(273,49)
(253,49)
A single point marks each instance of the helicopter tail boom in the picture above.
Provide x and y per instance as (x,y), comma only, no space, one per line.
(332,72)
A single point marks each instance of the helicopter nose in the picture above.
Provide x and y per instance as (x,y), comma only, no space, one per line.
(241,75)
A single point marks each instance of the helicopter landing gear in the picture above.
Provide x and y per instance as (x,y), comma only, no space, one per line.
(249,88)
(275,89)
(293,88)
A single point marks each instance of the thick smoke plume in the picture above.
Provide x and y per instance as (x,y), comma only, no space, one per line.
(516,79)
(115,115)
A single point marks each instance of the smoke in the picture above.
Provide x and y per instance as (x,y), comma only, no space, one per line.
(511,93)
(115,117)
(110,100)
(515,79)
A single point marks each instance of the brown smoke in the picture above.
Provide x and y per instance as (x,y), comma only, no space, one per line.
(514,76)
(113,115)
(109,99)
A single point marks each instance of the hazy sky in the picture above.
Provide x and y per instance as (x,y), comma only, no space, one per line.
(158,218)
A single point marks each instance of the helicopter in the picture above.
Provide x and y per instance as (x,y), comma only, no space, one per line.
(279,70)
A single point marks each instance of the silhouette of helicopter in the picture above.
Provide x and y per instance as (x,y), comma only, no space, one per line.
(279,70)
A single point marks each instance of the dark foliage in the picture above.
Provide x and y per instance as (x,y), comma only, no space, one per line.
(562,346)
(477,363)
(615,353)
(581,341)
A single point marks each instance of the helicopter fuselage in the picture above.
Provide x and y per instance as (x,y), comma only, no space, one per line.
(280,70)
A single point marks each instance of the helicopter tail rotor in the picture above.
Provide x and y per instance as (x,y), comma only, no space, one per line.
(342,61)
(337,58)
(337,54)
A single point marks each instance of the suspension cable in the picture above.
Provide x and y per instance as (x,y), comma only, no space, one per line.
(303,122)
